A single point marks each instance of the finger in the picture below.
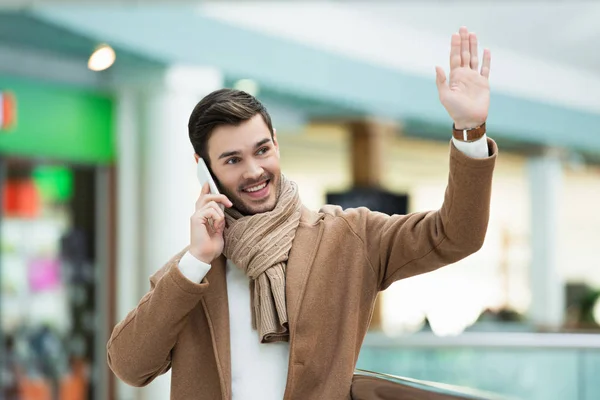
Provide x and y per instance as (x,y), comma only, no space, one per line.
(209,217)
(440,80)
(205,188)
(473,51)
(455,51)
(218,223)
(215,206)
(465,54)
(222,199)
(203,192)
(485,66)
(219,198)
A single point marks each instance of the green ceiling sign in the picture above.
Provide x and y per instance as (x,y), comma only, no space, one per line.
(57,122)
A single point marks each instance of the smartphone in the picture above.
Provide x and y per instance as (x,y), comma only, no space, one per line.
(205,176)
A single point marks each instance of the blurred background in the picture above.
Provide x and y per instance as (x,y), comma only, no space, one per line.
(98,179)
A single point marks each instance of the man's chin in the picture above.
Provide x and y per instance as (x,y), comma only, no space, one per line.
(260,210)
(251,209)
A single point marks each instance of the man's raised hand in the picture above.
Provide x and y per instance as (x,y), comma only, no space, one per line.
(466,95)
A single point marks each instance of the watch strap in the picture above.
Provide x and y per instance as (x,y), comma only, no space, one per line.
(469,135)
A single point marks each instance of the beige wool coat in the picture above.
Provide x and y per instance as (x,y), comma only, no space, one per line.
(339,261)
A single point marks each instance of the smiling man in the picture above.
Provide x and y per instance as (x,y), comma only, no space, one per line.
(271,300)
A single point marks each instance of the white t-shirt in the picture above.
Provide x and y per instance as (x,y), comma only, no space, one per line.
(258,370)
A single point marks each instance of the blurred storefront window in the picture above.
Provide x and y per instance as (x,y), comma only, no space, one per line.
(50,275)
(47,291)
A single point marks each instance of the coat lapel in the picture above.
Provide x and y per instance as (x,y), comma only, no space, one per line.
(216,308)
(304,249)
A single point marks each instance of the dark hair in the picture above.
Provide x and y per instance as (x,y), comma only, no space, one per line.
(222,107)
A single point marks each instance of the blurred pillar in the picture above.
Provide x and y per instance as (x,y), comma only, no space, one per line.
(157,185)
(547,307)
(128,276)
(368,140)
(368,143)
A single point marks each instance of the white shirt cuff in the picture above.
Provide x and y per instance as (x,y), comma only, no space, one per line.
(476,149)
(192,268)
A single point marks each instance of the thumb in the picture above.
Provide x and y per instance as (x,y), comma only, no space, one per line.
(440,79)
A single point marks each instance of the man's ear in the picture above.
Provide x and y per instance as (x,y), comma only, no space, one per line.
(275,143)
(196,157)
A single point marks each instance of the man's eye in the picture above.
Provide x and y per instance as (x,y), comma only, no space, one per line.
(233,160)
(262,151)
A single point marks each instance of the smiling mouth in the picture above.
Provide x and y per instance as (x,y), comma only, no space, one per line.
(256,188)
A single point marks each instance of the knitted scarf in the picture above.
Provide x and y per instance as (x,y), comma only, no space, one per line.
(259,245)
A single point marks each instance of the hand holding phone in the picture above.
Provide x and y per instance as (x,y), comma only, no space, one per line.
(208,221)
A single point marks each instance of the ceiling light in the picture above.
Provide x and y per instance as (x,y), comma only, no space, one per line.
(102,58)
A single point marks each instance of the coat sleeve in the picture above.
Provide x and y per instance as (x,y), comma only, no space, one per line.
(140,346)
(401,246)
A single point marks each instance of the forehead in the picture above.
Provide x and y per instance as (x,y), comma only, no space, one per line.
(238,137)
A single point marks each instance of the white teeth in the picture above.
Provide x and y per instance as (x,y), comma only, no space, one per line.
(256,188)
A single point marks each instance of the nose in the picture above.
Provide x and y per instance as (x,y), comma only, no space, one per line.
(254,171)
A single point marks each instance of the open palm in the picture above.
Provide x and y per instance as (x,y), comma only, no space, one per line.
(466,95)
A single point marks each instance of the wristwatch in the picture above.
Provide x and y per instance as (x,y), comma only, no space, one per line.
(468,135)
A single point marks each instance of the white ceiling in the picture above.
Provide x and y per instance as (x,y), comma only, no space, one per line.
(543,50)
(547,51)
(555,31)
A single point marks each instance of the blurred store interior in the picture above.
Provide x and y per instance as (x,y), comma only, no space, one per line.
(98,178)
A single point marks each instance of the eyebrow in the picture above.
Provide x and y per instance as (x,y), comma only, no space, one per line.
(237,152)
